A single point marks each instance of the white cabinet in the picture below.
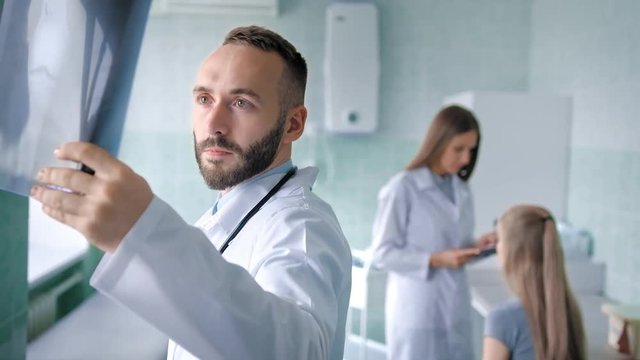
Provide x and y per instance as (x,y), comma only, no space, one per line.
(524,152)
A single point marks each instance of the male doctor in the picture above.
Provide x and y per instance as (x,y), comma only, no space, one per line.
(280,289)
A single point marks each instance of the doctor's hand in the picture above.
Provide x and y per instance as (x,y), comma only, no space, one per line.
(453,258)
(489,239)
(104,206)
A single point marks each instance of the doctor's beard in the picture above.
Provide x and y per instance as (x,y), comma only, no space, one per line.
(253,160)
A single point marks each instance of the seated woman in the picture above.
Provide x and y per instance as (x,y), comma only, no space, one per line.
(543,321)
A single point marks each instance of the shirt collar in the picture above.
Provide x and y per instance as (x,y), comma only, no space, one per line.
(222,200)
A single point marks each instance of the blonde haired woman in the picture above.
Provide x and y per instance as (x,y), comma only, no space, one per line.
(544,320)
(423,235)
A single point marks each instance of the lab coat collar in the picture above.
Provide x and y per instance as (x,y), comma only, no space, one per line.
(424,178)
(245,198)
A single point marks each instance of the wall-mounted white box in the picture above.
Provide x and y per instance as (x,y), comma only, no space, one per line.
(351,68)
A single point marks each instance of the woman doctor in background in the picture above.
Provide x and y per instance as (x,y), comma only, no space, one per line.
(423,235)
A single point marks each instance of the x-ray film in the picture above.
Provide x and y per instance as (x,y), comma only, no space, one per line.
(64,68)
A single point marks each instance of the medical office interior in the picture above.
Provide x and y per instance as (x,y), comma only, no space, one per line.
(554,85)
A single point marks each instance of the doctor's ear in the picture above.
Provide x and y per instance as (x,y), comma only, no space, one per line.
(294,124)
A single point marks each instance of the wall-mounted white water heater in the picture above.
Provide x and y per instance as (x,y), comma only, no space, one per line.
(352,68)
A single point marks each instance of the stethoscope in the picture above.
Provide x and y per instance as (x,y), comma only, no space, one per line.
(256,208)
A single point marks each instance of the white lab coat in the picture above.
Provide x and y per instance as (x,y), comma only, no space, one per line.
(428,310)
(281,290)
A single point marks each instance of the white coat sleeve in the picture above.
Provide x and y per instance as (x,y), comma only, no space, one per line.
(390,249)
(169,273)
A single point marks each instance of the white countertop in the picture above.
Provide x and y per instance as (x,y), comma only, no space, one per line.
(99,329)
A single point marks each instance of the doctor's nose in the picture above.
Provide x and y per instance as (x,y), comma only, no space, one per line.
(465,158)
(217,120)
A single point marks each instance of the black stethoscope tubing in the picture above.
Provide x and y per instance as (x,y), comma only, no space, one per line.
(256,208)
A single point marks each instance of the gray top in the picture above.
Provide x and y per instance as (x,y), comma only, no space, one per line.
(445,183)
(508,323)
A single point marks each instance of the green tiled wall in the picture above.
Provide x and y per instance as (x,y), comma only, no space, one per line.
(593,55)
(13,275)
(605,198)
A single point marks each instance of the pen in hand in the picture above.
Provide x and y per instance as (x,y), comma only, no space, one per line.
(86,169)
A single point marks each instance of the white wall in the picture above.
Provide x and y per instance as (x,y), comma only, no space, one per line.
(524,152)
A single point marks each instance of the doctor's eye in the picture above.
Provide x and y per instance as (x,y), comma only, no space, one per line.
(203,99)
(242,103)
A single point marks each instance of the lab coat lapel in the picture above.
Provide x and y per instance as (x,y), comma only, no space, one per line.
(240,200)
(459,195)
(210,224)
(246,196)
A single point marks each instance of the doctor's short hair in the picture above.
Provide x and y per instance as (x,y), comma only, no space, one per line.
(294,75)
(449,121)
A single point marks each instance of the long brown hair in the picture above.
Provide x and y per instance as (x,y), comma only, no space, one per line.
(449,122)
(534,270)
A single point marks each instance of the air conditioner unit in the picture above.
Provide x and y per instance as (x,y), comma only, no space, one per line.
(228,7)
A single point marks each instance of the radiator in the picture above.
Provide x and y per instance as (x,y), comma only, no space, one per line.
(43,309)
